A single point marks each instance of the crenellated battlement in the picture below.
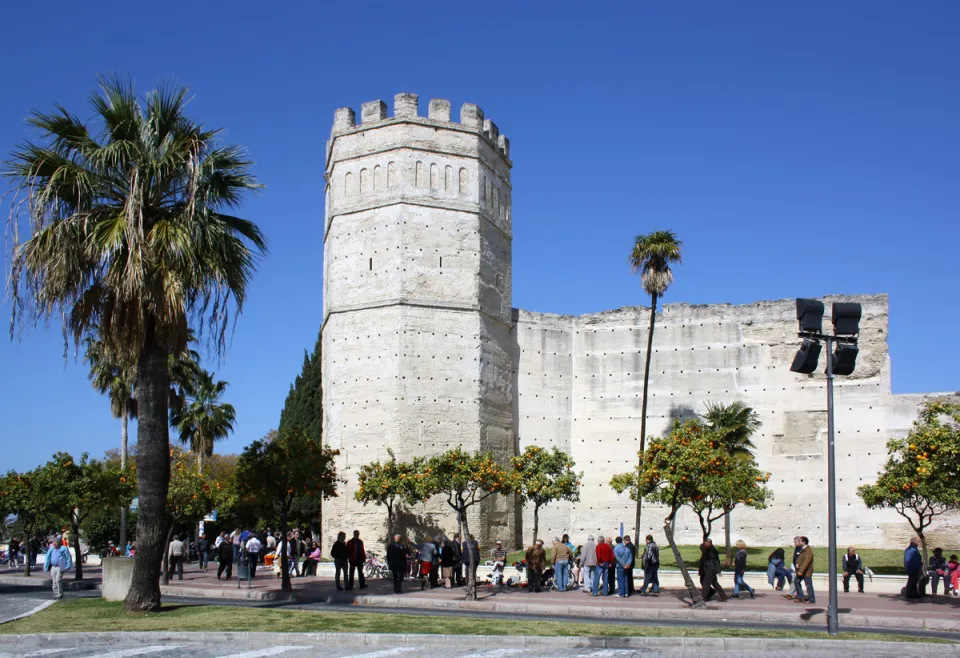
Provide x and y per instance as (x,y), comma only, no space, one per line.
(406,108)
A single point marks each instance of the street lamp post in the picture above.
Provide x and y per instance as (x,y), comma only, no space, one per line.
(833,621)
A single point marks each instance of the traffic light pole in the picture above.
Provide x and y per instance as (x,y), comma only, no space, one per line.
(832,615)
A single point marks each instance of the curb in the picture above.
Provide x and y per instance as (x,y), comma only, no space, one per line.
(28,613)
(44,581)
(242,594)
(480,641)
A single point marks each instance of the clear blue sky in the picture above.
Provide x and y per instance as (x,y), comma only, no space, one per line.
(798,149)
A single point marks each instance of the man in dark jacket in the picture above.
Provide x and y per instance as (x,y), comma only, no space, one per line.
(340,563)
(225,556)
(710,567)
(457,560)
(852,566)
(536,563)
(203,552)
(397,562)
(356,556)
(913,564)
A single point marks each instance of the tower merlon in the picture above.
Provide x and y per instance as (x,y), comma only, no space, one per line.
(504,145)
(439,109)
(344,119)
(490,130)
(405,104)
(373,111)
(471,116)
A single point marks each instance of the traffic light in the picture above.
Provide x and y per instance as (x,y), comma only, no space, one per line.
(846,318)
(845,357)
(810,315)
(809,353)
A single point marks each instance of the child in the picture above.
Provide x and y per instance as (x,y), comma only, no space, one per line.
(953,577)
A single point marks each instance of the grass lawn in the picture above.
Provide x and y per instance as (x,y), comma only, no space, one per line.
(881,561)
(97,615)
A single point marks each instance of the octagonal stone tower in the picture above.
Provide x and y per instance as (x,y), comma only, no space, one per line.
(416,302)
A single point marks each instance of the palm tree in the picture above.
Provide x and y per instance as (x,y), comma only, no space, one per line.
(738,423)
(133,242)
(203,420)
(118,381)
(652,256)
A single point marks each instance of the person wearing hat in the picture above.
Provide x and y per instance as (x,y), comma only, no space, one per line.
(536,563)
(499,560)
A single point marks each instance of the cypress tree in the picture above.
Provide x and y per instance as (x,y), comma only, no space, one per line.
(302,408)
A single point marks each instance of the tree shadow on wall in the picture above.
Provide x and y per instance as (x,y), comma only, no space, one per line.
(682,412)
(415,526)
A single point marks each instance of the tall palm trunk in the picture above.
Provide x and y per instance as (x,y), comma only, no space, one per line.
(643,404)
(124,437)
(153,474)
(200,461)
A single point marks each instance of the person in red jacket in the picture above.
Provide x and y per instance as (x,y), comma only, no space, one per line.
(356,556)
(605,560)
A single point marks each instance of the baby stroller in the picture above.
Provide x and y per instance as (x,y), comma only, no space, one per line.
(548,580)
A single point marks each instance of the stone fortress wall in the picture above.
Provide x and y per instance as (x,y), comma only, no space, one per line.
(422,352)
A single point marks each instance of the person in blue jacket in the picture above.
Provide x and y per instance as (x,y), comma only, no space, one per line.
(913,565)
(57,560)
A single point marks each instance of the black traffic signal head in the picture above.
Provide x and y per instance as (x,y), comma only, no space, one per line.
(845,359)
(810,315)
(846,318)
(807,356)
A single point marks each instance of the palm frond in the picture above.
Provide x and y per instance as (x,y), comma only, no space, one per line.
(652,255)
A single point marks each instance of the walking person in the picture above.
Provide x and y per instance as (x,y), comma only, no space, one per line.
(852,566)
(536,563)
(588,563)
(253,548)
(175,557)
(397,563)
(562,557)
(340,563)
(236,540)
(293,540)
(710,568)
(612,569)
(651,567)
(446,563)
(794,586)
(499,556)
(56,562)
(427,552)
(913,564)
(225,557)
(623,556)
(457,546)
(356,556)
(633,561)
(605,560)
(804,574)
(203,552)
(777,571)
(739,568)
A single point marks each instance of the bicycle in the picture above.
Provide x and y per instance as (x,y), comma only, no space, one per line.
(374,568)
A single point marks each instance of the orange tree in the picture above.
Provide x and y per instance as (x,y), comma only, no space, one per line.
(19,496)
(387,484)
(691,467)
(921,479)
(275,473)
(464,479)
(72,490)
(544,476)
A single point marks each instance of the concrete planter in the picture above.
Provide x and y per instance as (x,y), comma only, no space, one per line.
(117,575)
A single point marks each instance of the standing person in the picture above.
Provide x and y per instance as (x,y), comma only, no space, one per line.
(794,587)
(271,542)
(604,561)
(710,567)
(293,554)
(56,562)
(340,563)
(203,552)
(471,551)
(588,562)
(175,556)
(623,556)
(237,542)
(312,559)
(253,547)
(952,577)
(536,563)
(937,570)
(457,560)
(356,556)
(612,569)
(435,571)
(562,557)
(633,560)
(913,564)
(397,563)
(651,567)
(427,553)
(852,566)
(804,573)
(499,555)
(739,568)
(446,563)
(225,557)
(13,552)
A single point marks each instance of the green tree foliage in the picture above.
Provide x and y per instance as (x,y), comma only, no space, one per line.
(464,480)
(133,240)
(651,256)
(275,473)
(302,407)
(73,490)
(20,496)
(543,477)
(388,483)
(203,419)
(691,467)
(738,423)
(103,526)
(921,479)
